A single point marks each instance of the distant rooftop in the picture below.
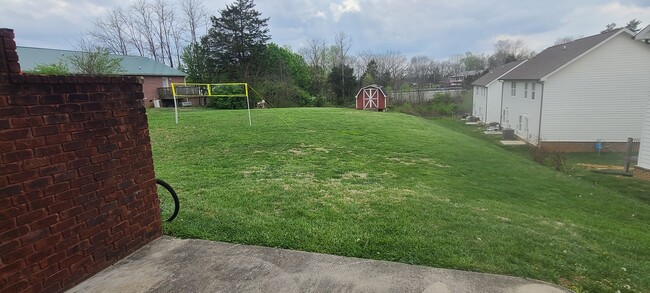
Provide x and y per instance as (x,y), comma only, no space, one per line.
(30,57)
(496,73)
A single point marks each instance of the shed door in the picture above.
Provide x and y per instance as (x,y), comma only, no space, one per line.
(370,98)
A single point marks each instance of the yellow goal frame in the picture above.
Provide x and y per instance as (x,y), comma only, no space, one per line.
(206,90)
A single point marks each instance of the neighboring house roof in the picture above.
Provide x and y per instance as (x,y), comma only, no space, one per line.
(30,57)
(557,57)
(495,73)
(643,34)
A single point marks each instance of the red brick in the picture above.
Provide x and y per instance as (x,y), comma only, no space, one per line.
(35,163)
(92,169)
(10,231)
(48,151)
(22,176)
(106,148)
(17,156)
(48,242)
(86,152)
(74,230)
(44,222)
(52,99)
(57,188)
(37,183)
(60,275)
(71,260)
(30,143)
(14,134)
(87,215)
(17,287)
(41,203)
(24,122)
(100,158)
(78,98)
(56,119)
(80,117)
(99,237)
(65,176)
(41,110)
(71,127)
(104,174)
(23,100)
(63,224)
(82,135)
(10,190)
(58,139)
(90,188)
(7,247)
(17,254)
(63,157)
(7,146)
(52,169)
(97,141)
(45,130)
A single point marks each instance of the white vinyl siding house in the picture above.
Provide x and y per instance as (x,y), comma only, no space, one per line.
(644,151)
(486,104)
(599,94)
(643,163)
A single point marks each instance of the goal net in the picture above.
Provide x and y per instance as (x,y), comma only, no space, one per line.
(216,90)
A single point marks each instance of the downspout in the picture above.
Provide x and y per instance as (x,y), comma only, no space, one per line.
(541,105)
(501,109)
(487,94)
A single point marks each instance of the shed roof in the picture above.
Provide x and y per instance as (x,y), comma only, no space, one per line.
(381,89)
(495,73)
(556,57)
(30,57)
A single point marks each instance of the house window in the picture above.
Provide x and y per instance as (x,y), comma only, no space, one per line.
(532,91)
(513,88)
(525,90)
(519,124)
(165,82)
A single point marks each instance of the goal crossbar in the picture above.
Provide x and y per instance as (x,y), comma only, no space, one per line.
(193,90)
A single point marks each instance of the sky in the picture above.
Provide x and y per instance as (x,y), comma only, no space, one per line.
(434,28)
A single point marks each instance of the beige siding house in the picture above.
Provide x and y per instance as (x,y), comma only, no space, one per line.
(571,96)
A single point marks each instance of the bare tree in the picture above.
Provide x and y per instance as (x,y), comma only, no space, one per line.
(509,50)
(564,40)
(195,18)
(111,32)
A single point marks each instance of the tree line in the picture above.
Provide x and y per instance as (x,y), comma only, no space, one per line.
(234,46)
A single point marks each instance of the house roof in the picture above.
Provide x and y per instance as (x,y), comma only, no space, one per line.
(557,57)
(495,73)
(643,34)
(30,57)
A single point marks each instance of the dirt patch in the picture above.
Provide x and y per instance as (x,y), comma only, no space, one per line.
(601,167)
(297,152)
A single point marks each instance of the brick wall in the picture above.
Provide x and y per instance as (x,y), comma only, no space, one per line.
(77,187)
(150,85)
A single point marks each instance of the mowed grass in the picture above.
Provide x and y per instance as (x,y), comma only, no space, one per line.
(395,187)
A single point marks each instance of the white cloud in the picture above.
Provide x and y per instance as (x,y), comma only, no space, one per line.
(347,6)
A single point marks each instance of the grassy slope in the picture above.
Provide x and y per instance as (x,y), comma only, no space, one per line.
(395,187)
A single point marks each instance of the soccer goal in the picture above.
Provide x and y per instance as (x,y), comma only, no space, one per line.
(216,90)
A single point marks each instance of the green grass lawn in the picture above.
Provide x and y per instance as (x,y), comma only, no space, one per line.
(395,187)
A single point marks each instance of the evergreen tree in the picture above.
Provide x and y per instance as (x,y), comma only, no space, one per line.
(236,41)
(343,87)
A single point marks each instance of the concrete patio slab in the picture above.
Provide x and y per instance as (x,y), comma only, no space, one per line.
(512,142)
(175,265)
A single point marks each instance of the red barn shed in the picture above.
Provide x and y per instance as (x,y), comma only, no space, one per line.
(371,97)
